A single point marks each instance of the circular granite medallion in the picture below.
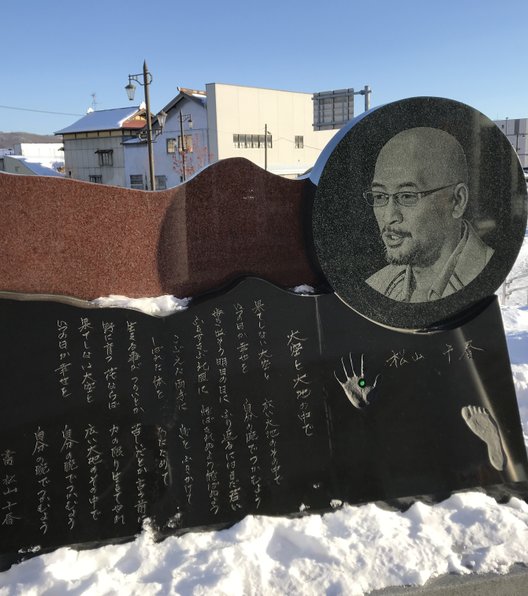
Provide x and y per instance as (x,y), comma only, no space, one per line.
(420,212)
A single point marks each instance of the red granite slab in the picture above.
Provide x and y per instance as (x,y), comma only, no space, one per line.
(87,240)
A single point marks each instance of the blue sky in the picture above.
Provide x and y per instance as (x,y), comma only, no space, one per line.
(56,54)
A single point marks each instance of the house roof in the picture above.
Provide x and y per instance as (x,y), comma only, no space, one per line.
(114,119)
(40,168)
(199,97)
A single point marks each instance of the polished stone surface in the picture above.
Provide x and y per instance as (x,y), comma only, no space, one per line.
(88,240)
(410,145)
(253,401)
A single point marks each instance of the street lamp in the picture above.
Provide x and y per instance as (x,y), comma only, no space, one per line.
(161,117)
(145,79)
(184,118)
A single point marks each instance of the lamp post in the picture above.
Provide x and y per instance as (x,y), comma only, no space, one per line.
(145,79)
(184,118)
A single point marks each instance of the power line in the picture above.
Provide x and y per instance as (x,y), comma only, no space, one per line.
(40,111)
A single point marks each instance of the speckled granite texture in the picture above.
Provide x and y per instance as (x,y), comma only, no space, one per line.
(87,240)
(348,238)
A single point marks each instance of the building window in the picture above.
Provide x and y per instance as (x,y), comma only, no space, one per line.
(173,143)
(96,178)
(332,109)
(136,181)
(299,142)
(161,182)
(106,157)
(187,143)
(251,141)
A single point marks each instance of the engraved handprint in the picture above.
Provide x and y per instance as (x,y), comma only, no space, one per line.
(355,387)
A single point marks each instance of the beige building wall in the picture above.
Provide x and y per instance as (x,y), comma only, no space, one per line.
(235,110)
(82,161)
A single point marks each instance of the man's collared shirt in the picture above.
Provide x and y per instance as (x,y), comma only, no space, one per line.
(468,259)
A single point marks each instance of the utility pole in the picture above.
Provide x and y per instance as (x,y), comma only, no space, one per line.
(366,92)
(266,147)
(182,143)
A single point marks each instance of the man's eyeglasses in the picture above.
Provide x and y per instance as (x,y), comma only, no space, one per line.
(405,198)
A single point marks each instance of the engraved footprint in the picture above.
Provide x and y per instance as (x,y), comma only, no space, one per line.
(482,424)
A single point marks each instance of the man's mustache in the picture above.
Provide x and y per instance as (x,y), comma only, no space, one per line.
(393,230)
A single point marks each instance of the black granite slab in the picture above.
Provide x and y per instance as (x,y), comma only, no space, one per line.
(252,401)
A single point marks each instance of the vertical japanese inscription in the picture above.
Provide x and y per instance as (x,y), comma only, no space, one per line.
(184,436)
(251,444)
(206,414)
(272,432)
(42,471)
(251,432)
(157,359)
(228,436)
(163,455)
(110,372)
(134,363)
(93,456)
(301,381)
(184,432)
(242,346)
(87,381)
(9,487)
(117,455)
(271,426)
(141,470)
(63,370)
(178,374)
(264,354)
(70,477)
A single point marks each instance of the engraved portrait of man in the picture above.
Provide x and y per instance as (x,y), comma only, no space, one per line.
(419,195)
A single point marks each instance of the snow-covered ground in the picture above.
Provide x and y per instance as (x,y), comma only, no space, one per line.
(352,550)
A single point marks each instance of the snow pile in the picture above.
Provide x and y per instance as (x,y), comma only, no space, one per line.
(350,551)
(161,306)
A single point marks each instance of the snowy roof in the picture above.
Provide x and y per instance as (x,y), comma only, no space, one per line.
(104,120)
(39,168)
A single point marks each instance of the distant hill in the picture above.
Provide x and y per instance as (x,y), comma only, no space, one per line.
(9,139)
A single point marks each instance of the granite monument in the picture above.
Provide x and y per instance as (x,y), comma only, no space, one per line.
(257,399)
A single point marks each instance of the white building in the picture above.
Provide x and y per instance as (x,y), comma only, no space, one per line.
(223,121)
(229,121)
(168,158)
(516,130)
(93,146)
(37,159)
(237,118)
